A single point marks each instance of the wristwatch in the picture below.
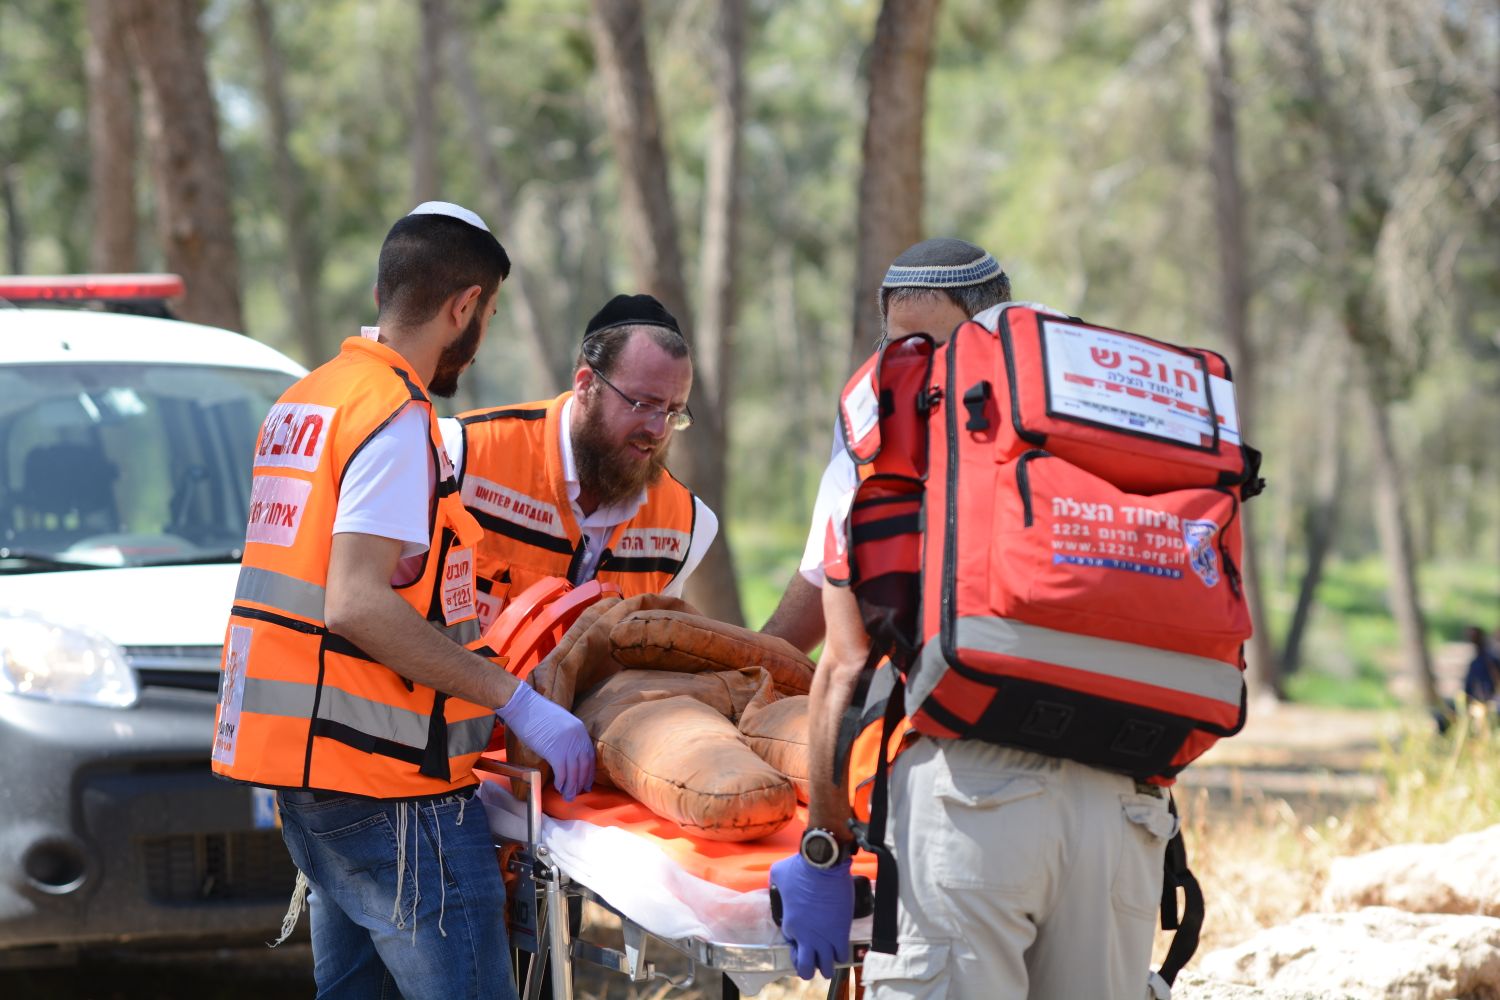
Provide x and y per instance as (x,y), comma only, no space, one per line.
(822,850)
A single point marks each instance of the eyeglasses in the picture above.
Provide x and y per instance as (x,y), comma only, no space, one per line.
(678,420)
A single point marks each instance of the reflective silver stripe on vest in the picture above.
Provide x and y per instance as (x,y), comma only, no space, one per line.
(1201,676)
(298,597)
(463,633)
(470,736)
(286,593)
(400,725)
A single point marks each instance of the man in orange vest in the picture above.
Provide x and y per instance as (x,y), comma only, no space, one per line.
(931,287)
(577,486)
(347,684)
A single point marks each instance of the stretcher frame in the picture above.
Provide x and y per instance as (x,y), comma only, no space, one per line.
(537,921)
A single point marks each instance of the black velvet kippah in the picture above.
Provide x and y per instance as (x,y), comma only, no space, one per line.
(630,310)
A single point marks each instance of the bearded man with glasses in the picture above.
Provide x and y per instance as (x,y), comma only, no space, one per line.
(577,486)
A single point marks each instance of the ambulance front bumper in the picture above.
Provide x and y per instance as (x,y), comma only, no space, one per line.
(113,830)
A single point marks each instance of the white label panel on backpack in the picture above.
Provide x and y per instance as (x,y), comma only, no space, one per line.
(862,408)
(1122,382)
(1225,408)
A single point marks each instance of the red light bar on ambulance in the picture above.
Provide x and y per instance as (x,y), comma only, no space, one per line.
(86,287)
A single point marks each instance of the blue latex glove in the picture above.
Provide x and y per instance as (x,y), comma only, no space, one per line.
(556,735)
(817,908)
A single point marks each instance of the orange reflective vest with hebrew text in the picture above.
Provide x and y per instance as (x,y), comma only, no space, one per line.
(303,707)
(513,483)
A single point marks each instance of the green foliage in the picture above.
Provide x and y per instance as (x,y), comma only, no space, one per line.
(1351,653)
(766,556)
(44,133)
(1070,139)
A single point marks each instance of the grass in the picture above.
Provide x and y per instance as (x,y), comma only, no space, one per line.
(1353,648)
(1265,864)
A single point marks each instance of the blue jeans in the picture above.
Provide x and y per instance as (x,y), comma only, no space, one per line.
(444,939)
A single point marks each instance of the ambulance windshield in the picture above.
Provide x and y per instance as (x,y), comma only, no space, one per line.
(107,465)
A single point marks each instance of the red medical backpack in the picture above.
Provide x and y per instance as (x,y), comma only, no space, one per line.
(1046,540)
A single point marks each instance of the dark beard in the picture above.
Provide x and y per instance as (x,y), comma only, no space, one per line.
(602,467)
(455,358)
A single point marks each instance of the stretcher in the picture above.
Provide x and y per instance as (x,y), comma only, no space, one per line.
(702,899)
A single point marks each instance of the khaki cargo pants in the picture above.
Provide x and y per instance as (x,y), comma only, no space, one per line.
(1022,876)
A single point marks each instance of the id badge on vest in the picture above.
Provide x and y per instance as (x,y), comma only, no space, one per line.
(458,586)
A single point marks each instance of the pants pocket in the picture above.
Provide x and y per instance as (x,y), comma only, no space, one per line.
(1146,826)
(918,971)
(989,833)
(366,846)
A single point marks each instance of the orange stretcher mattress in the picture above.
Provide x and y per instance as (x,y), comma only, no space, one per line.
(743,866)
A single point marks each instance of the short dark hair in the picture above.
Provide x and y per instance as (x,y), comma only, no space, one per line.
(427,259)
(601,351)
(972,299)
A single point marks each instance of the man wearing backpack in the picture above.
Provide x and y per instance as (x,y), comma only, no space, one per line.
(1026,872)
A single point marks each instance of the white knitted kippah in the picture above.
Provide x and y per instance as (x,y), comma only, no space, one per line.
(452,211)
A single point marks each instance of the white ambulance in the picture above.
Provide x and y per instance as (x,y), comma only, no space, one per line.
(125,445)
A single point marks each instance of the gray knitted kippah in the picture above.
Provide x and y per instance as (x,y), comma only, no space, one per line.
(941,263)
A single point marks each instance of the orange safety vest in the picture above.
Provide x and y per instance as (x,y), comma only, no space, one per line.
(512,481)
(303,707)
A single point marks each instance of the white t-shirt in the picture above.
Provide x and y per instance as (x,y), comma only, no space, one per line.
(838,482)
(598,526)
(388,489)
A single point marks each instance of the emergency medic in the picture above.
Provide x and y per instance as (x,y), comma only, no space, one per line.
(577,486)
(1021,874)
(347,685)
(930,287)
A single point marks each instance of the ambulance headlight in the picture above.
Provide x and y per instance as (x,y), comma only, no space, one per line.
(42,659)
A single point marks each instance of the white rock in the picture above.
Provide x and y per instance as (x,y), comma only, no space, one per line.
(1194,986)
(1378,953)
(1461,876)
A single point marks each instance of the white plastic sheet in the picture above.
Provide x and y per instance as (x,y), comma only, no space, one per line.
(637,878)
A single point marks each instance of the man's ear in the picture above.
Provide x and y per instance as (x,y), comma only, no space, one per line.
(465,304)
(583,378)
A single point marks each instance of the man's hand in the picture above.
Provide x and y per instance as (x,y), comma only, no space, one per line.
(817,907)
(554,733)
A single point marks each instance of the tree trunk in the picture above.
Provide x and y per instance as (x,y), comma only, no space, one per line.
(721,203)
(15,222)
(1391,522)
(1320,524)
(114,238)
(1349,235)
(528,310)
(890,182)
(650,227)
(425,175)
(291,192)
(194,217)
(1211,28)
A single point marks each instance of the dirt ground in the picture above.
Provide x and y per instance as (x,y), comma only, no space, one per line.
(1315,760)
